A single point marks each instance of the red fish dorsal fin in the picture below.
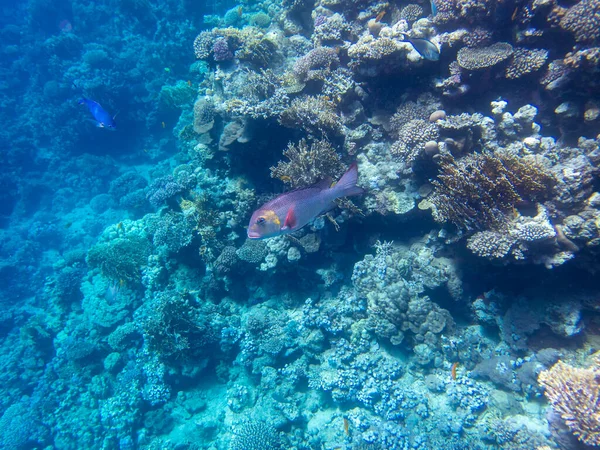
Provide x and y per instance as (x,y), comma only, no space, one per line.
(290,219)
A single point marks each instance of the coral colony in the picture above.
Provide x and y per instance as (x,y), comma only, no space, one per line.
(450,302)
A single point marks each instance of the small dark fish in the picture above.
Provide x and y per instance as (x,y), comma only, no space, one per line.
(424,47)
(102,118)
(433,8)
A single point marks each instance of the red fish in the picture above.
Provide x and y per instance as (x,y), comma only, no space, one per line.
(291,211)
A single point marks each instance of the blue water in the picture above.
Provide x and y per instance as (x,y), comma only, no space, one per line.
(453,305)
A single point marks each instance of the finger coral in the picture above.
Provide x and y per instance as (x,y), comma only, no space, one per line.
(574,393)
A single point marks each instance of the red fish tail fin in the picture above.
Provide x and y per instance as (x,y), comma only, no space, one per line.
(347,184)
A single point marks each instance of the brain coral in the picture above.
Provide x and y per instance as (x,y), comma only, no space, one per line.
(255,436)
(583,20)
(525,61)
(484,57)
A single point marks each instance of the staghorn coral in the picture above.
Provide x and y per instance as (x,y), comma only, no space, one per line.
(525,61)
(478,190)
(574,393)
(484,57)
(307,165)
(316,115)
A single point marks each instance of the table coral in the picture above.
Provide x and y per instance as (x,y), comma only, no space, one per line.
(484,57)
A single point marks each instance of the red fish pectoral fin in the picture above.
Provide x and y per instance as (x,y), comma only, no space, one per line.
(290,219)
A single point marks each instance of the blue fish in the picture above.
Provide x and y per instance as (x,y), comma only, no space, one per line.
(425,48)
(433,8)
(102,118)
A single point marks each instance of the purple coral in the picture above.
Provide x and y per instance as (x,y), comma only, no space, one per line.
(162,190)
(221,50)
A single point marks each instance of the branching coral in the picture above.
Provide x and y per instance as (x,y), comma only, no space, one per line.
(412,139)
(525,61)
(261,95)
(259,52)
(316,115)
(120,258)
(583,20)
(518,236)
(318,59)
(477,191)
(204,115)
(411,12)
(307,165)
(574,393)
(222,43)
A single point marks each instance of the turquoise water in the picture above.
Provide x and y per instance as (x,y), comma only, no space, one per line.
(453,304)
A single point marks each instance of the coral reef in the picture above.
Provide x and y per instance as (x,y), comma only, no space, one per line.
(428,313)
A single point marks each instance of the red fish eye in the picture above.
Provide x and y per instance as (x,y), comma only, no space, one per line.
(260,220)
